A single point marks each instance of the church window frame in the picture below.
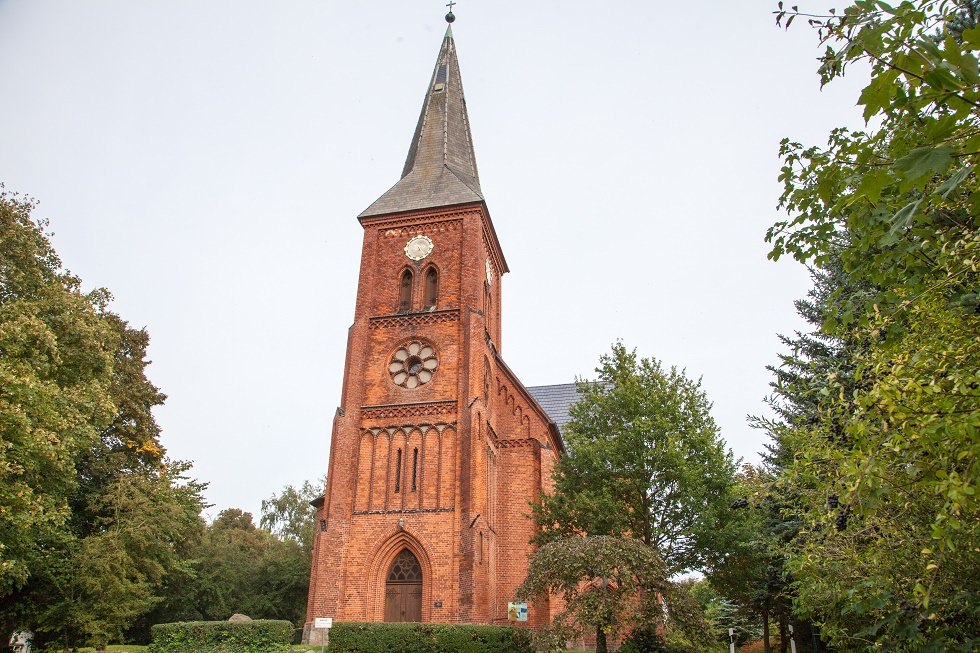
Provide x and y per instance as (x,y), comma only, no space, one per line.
(415,469)
(488,307)
(430,288)
(413,363)
(398,471)
(406,288)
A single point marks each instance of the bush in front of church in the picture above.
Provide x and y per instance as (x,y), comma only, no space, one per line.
(357,637)
(254,636)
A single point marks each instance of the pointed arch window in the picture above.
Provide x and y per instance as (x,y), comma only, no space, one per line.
(431,289)
(415,469)
(487,306)
(405,292)
(398,472)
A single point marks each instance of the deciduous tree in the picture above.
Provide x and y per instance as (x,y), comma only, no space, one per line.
(645,461)
(886,472)
(92,513)
(610,586)
(290,516)
(55,376)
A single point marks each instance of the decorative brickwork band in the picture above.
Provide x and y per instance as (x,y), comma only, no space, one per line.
(523,442)
(407,511)
(408,226)
(427,409)
(408,428)
(414,320)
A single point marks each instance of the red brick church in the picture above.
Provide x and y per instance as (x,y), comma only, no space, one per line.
(437,446)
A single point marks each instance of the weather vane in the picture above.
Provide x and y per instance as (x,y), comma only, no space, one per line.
(450,17)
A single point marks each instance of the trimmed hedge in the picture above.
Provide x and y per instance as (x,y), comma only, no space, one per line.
(356,637)
(256,636)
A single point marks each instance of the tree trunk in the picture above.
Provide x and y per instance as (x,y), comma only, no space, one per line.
(766,645)
(783,633)
(600,640)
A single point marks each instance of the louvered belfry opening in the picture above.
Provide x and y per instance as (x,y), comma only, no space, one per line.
(403,589)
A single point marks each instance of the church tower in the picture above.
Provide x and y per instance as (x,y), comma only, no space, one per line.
(437,448)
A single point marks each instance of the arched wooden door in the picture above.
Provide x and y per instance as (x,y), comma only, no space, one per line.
(403,589)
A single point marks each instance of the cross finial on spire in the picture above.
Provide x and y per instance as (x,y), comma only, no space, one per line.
(450,17)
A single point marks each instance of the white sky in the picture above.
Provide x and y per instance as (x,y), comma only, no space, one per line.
(205,160)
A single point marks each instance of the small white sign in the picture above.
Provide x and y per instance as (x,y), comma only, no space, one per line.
(323,622)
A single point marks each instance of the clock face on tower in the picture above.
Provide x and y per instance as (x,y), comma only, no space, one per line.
(418,248)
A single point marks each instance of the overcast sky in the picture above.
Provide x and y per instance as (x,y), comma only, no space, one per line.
(205,161)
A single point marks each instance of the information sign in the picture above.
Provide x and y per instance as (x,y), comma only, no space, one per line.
(516,611)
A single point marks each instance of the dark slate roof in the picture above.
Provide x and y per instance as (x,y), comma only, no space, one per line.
(441,166)
(556,400)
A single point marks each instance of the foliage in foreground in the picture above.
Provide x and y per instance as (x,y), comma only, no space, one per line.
(648,640)
(883,471)
(256,636)
(354,637)
(610,586)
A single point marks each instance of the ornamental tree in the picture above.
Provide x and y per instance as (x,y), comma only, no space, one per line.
(610,586)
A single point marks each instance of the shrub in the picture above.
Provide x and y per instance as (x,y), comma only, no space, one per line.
(354,637)
(644,640)
(257,636)
(648,640)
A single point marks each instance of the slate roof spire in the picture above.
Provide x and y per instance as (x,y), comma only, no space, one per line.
(441,166)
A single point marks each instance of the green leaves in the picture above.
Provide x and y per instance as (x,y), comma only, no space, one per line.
(924,161)
(971,38)
(879,93)
(612,584)
(81,465)
(645,460)
(55,366)
(890,217)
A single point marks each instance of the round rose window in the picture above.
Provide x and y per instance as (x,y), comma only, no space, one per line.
(413,364)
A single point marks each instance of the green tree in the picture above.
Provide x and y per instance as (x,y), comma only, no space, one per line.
(722,613)
(81,465)
(884,475)
(55,370)
(610,586)
(99,584)
(290,515)
(645,461)
(236,567)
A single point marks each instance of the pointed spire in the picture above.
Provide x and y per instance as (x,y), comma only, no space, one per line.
(441,166)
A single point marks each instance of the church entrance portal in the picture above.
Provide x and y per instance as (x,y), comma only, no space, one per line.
(403,589)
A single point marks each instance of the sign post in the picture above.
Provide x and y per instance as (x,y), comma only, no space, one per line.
(731,640)
(323,623)
(792,641)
